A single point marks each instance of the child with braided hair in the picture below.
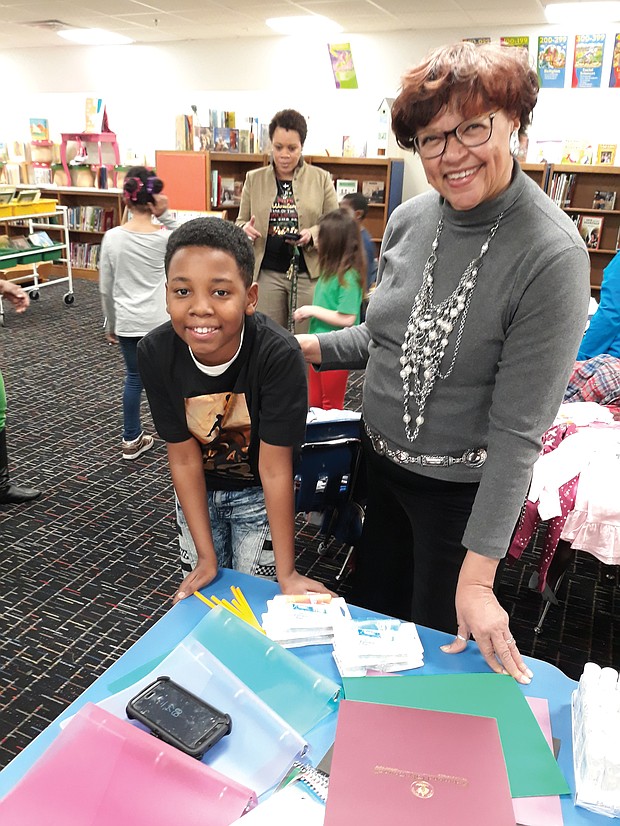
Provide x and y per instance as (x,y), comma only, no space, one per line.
(132,285)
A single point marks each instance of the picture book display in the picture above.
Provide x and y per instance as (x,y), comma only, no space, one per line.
(590,228)
(606,153)
(374,191)
(407,766)
(344,187)
(604,200)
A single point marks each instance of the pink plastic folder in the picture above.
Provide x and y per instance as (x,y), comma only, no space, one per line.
(101,771)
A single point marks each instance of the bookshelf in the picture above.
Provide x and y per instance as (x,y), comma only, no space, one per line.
(187,176)
(187,179)
(90,212)
(588,180)
(538,172)
(387,171)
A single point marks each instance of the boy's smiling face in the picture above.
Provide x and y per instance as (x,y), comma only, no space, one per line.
(207,299)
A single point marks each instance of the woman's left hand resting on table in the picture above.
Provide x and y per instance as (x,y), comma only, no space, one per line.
(480,615)
(297,583)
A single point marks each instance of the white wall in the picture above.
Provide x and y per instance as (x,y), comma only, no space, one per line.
(144,87)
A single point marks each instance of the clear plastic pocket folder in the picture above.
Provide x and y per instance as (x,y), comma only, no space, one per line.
(260,747)
(298,693)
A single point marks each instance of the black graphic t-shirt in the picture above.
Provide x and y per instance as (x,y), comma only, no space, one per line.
(261,396)
(283,218)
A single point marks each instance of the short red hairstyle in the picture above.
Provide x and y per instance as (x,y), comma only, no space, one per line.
(472,78)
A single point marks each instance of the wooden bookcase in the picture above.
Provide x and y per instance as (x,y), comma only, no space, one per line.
(588,180)
(187,176)
(389,171)
(187,179)
(82,197)
(538,172)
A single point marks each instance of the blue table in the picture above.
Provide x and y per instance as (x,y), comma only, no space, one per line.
(548,682)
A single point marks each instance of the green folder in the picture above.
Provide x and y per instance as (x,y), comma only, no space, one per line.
(532,768)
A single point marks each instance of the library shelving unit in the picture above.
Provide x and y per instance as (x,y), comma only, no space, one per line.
(90,213)
(538,172)
(187,176)
(588,180)
(23,265)
(187,179)
(387,171)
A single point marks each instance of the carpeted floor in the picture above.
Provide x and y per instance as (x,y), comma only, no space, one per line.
(89,567)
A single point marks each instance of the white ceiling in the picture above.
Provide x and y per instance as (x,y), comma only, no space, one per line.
(161,21)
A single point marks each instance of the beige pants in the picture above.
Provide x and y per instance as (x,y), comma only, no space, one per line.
(274,296)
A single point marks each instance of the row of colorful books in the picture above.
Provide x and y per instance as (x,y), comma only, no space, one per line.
(90,218)
(225,190)
(194,135)
(85,256)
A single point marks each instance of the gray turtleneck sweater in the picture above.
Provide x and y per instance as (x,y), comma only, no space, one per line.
(523,328)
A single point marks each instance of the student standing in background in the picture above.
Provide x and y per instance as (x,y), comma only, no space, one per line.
(337,298)
(132,285)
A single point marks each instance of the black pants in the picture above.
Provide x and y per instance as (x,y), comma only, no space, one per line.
(409,557)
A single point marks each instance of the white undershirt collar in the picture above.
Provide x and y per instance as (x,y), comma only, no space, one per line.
(216,369)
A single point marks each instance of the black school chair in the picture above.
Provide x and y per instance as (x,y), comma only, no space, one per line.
(327,481)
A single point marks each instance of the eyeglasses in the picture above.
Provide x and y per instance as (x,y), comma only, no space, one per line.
(472,132)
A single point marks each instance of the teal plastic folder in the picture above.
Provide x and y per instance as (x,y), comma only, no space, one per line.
(532,768)
(298,693)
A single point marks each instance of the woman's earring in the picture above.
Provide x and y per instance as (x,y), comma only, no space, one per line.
(514,143)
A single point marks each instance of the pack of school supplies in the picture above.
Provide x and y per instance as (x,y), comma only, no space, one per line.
(383,645)
(305,619)
(596,739)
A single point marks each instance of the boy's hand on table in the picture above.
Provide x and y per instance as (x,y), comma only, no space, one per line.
(202,575)
(296,583)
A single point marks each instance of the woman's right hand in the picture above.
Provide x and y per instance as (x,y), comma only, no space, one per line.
(202,575)
(310,348)
(111,338)
(250,230)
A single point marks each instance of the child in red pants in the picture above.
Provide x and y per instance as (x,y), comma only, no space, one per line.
(337,298)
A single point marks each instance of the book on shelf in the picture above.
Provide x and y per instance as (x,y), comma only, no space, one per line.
(205,138)
(562,188)
(606,153)
(618,240)
(604,200)
(345,186)
(227,190)
(574,151)
(40,239)
(226,139)
(374,191)
(244,141)
(590,228)
(39,129)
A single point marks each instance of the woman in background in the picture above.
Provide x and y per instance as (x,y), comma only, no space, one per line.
(281,205)
(337,298)
(132,285)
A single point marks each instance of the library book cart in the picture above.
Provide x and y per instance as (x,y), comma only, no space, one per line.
(22,265)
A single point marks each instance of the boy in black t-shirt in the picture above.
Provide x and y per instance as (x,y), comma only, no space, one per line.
(227,390)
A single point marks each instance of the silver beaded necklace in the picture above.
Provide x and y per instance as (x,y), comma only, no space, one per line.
(428,330)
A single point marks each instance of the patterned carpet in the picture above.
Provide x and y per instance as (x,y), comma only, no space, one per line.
(89,567)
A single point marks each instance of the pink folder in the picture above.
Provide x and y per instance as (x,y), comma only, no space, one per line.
(102,771)
(408,766)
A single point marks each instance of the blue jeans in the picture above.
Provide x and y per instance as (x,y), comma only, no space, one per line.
(240,531)
(132,389)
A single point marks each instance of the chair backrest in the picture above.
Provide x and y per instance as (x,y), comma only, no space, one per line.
(327,466)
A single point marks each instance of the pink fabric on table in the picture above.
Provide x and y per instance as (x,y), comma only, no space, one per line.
(530,517)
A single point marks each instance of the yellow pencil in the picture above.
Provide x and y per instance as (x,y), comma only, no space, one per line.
(204,599)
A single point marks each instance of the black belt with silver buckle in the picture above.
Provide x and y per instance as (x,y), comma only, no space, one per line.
(473,458)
